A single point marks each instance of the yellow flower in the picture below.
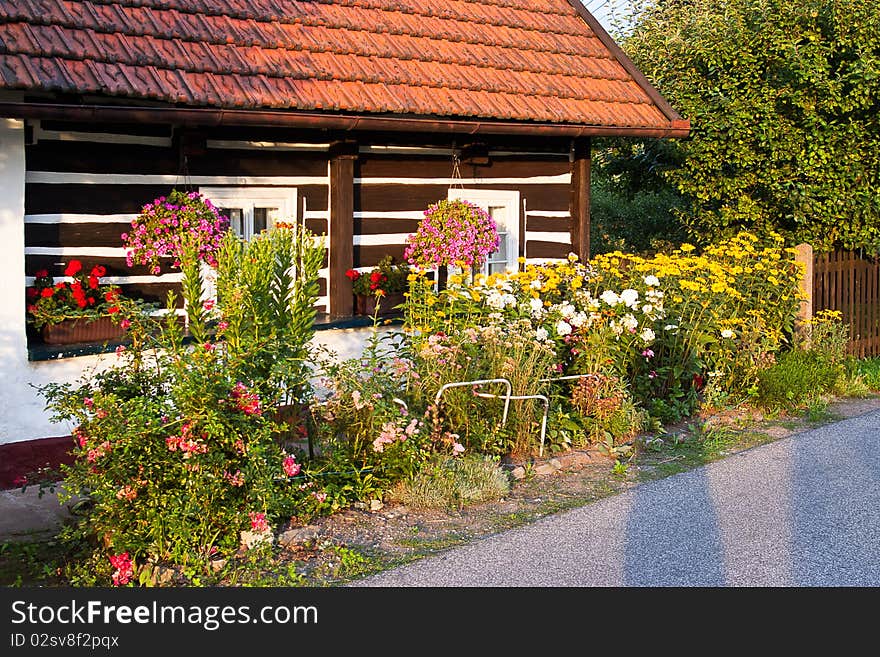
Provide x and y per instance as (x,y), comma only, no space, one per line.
(687,248)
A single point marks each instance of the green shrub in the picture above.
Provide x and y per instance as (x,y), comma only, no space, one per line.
(453,483)
(178,453)
(797,378)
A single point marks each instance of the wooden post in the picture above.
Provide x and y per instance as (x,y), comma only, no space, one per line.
(579,204)
(804,256)
(341,228)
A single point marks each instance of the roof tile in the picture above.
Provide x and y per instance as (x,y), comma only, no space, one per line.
(523,60)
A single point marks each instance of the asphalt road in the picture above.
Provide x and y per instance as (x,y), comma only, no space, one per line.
(803,511)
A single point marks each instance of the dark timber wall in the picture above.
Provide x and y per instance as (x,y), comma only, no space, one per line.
(86,183)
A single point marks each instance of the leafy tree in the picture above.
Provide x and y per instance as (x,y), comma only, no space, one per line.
(633,207)
(784,102)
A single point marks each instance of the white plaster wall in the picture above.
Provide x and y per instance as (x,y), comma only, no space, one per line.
(349,343)
(22,415)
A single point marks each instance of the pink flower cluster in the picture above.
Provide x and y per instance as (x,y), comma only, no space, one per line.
(187,442)
(258,521)
(123,568)
(126,493)
(393,432)
(248,402)
(236,479)
(99,451)
(158,230)
(291,467)
(452,233)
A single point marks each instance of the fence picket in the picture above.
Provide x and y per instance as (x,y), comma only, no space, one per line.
(850,283)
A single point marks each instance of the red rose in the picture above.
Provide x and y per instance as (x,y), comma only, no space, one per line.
(113,310)
(32,293)
(81,302)
(91,301)
(376,276)
(111,295)
(353,274)
(93,282)
(98,271)
(73,268)
(47,292)
(42,273)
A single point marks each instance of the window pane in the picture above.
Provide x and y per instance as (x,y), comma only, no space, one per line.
(265,218)
(236,218)
(501,252)
(499,214)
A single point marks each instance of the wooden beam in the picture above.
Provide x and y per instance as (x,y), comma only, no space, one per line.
(580,199)
(341,229)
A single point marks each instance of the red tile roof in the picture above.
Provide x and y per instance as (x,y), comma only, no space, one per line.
(514,60)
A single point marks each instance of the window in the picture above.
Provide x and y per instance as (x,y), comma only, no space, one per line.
(252,210)
(503,207)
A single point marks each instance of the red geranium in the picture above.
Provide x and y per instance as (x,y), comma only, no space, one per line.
(84,296)
(73,268)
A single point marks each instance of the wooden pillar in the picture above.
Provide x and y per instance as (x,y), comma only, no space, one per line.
(579,204)
(341,228)
(804,256)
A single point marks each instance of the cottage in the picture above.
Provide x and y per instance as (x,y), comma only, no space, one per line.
(349,115)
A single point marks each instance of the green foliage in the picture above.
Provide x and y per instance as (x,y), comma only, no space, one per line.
(783,101)
(817,365)
(869,371)
(267,289)
(796,379)
(632,208)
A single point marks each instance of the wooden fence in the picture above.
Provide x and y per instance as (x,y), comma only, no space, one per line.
(845,281)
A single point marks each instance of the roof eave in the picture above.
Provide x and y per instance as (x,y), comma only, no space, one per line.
(216,117)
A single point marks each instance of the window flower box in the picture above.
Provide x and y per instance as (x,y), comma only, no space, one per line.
(82,329)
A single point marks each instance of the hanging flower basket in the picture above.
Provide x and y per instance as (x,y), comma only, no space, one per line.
(158,232)
(452,233)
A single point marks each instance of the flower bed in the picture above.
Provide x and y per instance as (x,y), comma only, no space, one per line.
(612,346)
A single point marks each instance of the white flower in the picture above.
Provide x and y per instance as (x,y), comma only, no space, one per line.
(652,281)
(629,322)
(563,328)
(578,319)
(670,327)
(647,308)
(508,299)
(536,284)
(566,310)
(630,297)
(537,307)
(617,328)
(541,334)
(727,333)
(495,300)
(647,335)
(610,298)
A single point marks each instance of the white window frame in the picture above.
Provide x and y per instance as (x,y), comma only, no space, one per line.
(248,198)
(508,198)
